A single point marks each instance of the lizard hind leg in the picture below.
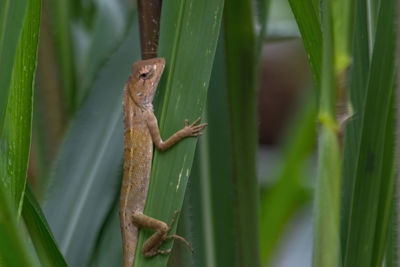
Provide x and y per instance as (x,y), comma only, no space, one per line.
(152,244)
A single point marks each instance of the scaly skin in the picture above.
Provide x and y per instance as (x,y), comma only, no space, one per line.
(141,131)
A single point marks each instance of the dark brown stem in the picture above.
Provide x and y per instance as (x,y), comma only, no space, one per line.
(149,12)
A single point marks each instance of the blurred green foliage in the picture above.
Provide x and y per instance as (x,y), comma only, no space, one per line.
(214,50)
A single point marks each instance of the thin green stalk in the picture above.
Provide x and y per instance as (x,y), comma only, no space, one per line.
(326,250)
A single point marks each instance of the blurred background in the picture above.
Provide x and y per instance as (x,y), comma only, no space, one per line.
(78,42)
(245,187)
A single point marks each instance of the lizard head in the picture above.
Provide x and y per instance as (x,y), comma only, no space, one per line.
(143,81)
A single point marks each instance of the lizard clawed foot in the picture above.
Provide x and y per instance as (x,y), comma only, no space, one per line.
(181,239)
(194,129)
(171,222)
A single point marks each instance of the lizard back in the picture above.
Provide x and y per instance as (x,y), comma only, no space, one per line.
(138,151)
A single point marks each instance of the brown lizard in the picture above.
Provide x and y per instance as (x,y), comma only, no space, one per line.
(141,131)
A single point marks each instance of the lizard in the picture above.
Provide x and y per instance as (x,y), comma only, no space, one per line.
(141,132)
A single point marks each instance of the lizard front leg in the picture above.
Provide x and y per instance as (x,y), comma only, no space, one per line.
(191,130)
(152,244)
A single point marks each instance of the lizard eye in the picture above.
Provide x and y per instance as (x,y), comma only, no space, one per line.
(143,75)
(140,94)
(146,74)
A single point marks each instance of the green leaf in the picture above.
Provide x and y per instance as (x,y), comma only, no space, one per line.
(370,196)
(14,250)
(241,71)
(12,15)
(40,232)
(306,13)
(188,39)
(86,176)
(16,133)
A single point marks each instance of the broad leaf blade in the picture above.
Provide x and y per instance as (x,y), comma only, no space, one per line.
(86,178)
(188,39)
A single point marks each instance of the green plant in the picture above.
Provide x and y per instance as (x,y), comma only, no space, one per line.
(213,54)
